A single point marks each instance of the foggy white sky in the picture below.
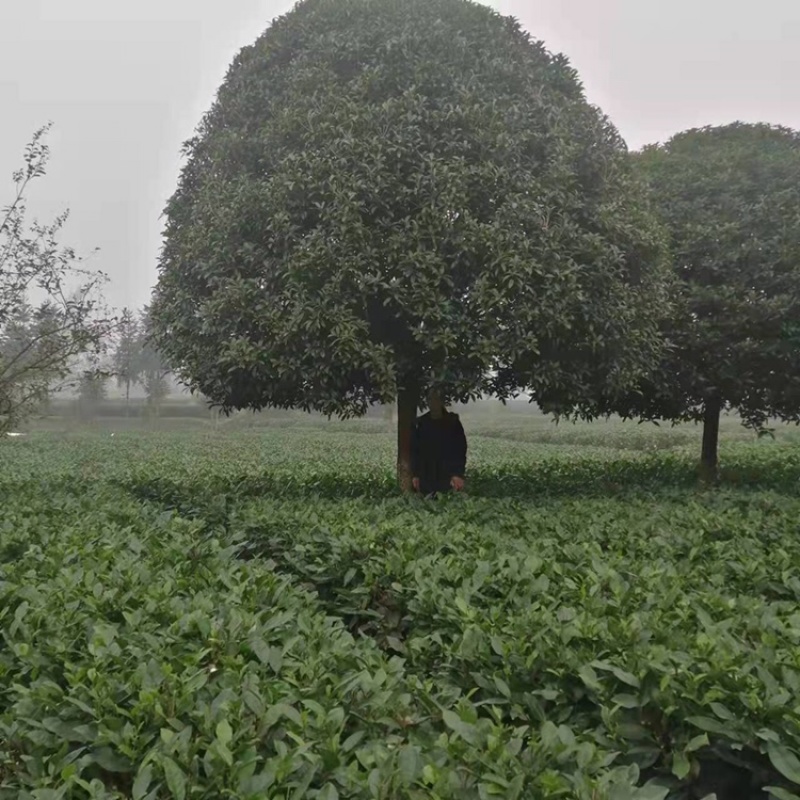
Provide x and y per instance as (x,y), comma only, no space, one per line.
(126,82)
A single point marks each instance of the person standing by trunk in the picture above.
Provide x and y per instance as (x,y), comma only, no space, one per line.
(439,451)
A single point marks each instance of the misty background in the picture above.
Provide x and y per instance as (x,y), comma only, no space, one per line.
(125,84)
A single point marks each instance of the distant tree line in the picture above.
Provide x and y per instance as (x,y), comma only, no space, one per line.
(129,359)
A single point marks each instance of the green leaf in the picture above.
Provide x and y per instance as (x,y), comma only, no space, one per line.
(502,687)
(465,730)
(697,743)
(223,752)
(224,732)
(175,777)
(254,703)
(722,712)
(627,701)
(196,682)
(785,761)
(410,764)
(708,724)
(276,712)
(262,650)
(110,761)
(374,783)
(584,756)
(452,720)
(627,677)
(780,794)
(329,792)
(168,736)
(589,678)
(352,741)
(651,791)
(143,780)
(681,766)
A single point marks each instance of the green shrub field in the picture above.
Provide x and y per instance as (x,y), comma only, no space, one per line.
(259,614)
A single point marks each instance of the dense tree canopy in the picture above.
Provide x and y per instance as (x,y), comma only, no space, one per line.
(730,198)
(387,195)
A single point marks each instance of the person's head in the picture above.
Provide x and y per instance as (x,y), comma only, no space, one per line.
(436,402)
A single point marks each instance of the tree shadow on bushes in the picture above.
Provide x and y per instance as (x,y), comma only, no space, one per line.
(575,479)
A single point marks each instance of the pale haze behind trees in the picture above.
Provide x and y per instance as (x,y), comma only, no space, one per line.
(126,83)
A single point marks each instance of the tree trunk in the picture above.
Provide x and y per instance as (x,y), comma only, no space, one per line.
(709,459)
(407,402)
(127,398)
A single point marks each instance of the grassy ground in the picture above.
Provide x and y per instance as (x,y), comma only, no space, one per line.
(516,422)
(240,611)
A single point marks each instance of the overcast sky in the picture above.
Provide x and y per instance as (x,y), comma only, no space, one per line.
(126,82)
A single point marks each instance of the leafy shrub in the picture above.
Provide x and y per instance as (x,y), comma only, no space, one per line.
(197,616)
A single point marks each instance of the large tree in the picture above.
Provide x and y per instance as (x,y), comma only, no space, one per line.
(730,199)
(388,195)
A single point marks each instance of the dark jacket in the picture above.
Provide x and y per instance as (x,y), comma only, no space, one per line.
(439,451)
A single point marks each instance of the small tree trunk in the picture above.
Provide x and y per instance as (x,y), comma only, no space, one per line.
(127,398)
(709,459)
(407,402)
